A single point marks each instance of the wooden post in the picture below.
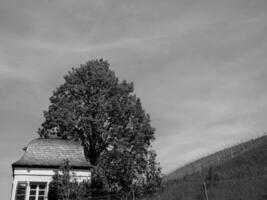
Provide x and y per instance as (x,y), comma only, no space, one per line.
(133,194)
(205,188)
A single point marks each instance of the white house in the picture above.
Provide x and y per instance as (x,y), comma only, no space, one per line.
(33,172)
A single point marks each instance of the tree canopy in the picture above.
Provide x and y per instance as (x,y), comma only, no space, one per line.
(104,114)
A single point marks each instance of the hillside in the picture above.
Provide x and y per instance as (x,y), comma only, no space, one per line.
(242,176)
(214,159)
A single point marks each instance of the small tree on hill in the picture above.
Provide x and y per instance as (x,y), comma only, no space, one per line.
(92,106)
(212,179)
(64,186)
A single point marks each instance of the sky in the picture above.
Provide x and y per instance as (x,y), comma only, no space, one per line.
(198,66)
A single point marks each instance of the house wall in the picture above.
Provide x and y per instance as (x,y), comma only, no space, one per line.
(41,175)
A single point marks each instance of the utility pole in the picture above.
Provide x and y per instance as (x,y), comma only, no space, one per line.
(205,188)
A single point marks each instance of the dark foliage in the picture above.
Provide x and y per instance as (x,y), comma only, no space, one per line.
(64,186)
(212,179)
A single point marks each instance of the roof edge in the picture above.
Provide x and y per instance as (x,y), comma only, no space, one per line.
(14,165)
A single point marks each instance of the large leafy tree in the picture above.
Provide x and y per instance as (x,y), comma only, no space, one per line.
(100,111)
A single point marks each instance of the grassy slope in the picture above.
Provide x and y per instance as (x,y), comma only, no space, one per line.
(242,177)
(214,159)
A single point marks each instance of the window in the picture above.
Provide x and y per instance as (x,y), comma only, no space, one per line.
(37,191)
(21,190)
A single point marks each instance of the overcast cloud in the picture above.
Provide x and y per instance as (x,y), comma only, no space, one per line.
(199,68)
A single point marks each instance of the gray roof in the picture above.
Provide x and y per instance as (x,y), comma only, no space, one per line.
(51,153)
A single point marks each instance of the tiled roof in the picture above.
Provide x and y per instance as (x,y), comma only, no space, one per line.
(51,153)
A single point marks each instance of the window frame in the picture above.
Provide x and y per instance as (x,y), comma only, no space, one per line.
(37,190)
(25,192)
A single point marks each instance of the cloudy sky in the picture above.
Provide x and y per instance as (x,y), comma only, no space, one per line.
(198,66)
